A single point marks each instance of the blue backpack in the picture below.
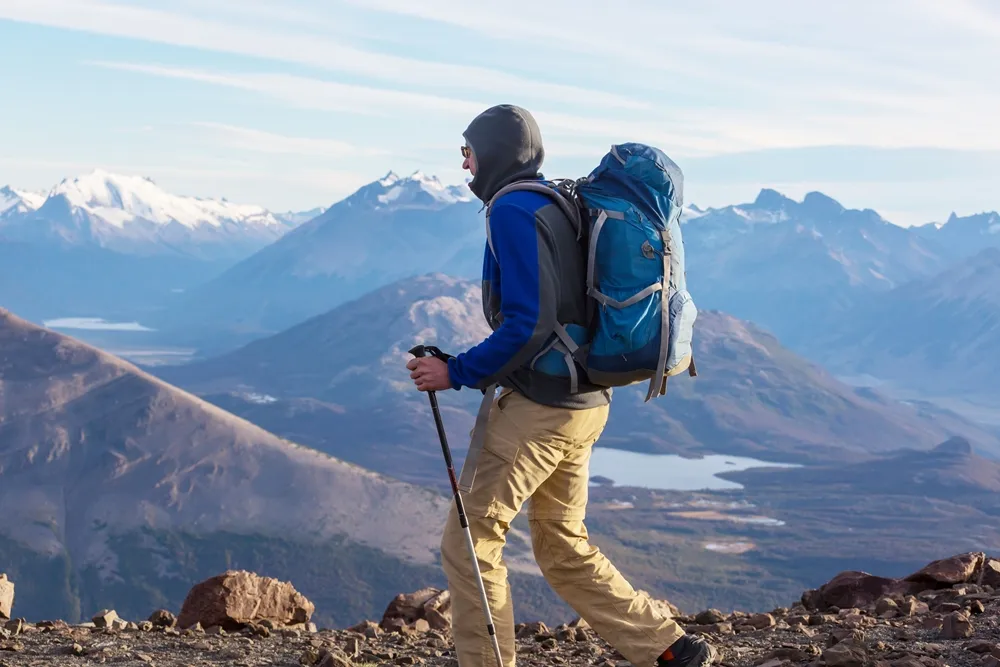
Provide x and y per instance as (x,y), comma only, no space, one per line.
(641,315)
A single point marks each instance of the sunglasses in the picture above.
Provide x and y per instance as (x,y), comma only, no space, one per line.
(466,152)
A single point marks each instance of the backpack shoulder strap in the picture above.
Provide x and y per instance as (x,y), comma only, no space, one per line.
(559,193)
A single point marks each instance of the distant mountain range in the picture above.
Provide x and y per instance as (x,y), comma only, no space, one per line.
(133,215)
(106,245)
(337,382)
(965,236)
(792,266)
(788,266)
(806,271)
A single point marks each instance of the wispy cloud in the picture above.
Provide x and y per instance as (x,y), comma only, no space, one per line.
(326,52)
(249,139)
(690,132)
(789,48)
(309,93)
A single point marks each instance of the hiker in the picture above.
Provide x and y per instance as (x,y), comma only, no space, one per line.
(537,433)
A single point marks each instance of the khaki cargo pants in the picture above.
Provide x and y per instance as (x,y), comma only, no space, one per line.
(541,453)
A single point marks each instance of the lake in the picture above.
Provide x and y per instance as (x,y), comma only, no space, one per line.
(670,472)
(129,340)
(93,324)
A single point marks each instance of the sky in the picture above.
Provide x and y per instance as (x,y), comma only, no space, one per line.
(293,104)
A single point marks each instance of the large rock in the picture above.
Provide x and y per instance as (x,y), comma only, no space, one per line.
(407,610)
(853,589)
(6,596)
(991,573)
(958,569)
(235,598)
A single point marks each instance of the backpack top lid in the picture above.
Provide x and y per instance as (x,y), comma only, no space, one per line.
(641,174)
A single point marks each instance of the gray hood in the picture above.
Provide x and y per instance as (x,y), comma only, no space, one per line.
(508,147)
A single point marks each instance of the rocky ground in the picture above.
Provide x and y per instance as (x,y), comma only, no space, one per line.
(947,614)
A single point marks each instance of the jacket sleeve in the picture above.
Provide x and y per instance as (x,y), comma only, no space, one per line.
(524,251)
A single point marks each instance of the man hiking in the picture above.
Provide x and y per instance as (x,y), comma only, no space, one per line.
(539,433)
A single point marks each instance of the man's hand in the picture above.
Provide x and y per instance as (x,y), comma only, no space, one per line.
(429,374)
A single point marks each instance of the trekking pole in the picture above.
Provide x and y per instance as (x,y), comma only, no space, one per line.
(422,351)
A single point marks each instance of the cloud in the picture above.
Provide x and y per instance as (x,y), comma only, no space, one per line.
(309,93)
(768,51)
(303,48)
(681,131)
(249,139)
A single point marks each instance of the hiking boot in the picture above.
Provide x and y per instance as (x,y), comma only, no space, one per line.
(688,651)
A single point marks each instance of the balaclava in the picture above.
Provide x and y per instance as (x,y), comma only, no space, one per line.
(508,147)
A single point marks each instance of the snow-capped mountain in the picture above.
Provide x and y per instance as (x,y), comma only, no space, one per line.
(416,191)
(133,215)
(389,229)
(16,202)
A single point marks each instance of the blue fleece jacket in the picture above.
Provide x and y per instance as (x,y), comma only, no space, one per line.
(520,300)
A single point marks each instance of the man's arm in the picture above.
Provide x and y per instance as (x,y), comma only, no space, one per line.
(528,289)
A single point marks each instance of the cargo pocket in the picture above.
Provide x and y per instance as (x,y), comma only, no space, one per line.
(494,491)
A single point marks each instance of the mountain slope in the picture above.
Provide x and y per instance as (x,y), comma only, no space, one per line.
(392,228)
(343,373)
(130,486)
(940,335)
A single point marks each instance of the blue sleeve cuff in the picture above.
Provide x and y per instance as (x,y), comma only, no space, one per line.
(455,384)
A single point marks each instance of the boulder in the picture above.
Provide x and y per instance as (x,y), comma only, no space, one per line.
(710,616)
(106,618)
(162,618)
(991,573)
(6,597)
(854,590)
(847,653)
(958,569)
(957,625)
(236,598)
(430,605)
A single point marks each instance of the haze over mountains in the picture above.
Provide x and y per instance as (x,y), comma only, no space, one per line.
(939,334)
